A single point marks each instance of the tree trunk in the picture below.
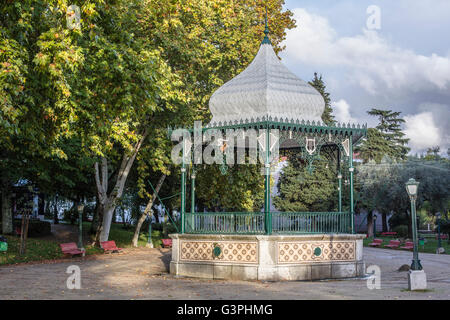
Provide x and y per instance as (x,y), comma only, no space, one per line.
(147,211)
(55,212)
(370,224)
(7,217)
(384,220)
(109,201)
(98,226)
(24,231)
(41,202)
(106,224)
(95,215)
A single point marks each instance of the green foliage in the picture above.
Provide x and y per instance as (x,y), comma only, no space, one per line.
(319,85)
(445,227)
(241,189)
(386,139)
(402,230)
(301,191)
(36,228)
(382,187)
(433,154)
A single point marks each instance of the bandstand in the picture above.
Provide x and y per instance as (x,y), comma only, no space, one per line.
(267,245)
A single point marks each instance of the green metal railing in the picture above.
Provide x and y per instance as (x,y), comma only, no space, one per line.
(225,222)
(311,222)
(282,222)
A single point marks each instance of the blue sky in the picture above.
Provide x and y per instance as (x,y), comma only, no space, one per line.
(404,65)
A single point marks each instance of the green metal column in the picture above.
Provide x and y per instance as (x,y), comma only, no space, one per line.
(339,181)
(193,191)
(350,168)
(80,229)
(183,193)
(416,265)
(267,214)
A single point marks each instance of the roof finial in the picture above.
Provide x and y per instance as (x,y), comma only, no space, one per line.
(266,31)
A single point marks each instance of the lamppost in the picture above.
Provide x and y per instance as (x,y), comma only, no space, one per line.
(411,187)
(374,225)
(80,208)
(438,220)
(149,241)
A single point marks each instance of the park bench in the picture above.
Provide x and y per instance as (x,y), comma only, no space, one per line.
(393,244)
(443,237)
(71,248)
(109,246)
(390,233)
(166,243)
(409,245)
(376,243)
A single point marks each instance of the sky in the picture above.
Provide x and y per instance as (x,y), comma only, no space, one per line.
(378,54)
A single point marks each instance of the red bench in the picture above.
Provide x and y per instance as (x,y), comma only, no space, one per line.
(409,245)
(376,243)
(443,237)
(389,234)
(110,246)
(166,243)
(393,244)
(71,248)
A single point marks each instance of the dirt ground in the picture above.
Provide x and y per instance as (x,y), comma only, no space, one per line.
(143,274)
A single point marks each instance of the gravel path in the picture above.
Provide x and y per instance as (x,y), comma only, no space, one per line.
(142,274)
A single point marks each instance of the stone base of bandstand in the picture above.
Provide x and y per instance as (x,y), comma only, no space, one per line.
(268,258)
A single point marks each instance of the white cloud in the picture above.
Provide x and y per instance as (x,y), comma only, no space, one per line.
(370,61)
(422,131)
(341,111)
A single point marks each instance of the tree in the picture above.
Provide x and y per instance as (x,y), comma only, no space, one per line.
(383,187)
(433,153)
(300,191)
(386,139)
(319,85)
(133,68)
(34,115)
(240,189)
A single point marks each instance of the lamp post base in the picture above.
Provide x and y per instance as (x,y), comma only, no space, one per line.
(415,267)
(149,245)
(440,250)
(417,280)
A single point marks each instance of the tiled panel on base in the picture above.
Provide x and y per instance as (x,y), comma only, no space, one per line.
(315,251)
(230,251)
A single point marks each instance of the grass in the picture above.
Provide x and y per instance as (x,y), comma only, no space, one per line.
(430,246)
(41,249)
(123,237)
(36,249)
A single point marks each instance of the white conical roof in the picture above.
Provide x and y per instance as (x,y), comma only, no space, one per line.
(266,88)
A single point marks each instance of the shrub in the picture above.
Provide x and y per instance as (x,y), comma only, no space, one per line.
(36,228)
(70,216)
(401,230)
(169,228)
(398,219)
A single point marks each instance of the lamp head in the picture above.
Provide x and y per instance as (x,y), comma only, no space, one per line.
(438,215)
(411,187)
(80,207)
(375,217)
